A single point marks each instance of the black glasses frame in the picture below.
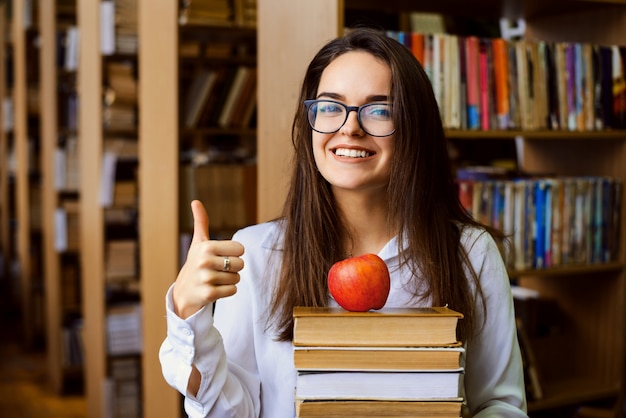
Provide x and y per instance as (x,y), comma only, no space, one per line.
(357,109)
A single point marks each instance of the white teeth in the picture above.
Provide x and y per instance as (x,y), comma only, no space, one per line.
(352,153)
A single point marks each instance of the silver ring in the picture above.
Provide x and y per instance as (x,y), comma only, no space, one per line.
(226,264)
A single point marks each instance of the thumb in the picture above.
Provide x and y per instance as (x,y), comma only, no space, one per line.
(200,222)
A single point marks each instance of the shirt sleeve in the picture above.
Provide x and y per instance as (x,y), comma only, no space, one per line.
(494,379)
(226,390)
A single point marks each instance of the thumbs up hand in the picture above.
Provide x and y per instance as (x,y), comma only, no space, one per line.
(211,270)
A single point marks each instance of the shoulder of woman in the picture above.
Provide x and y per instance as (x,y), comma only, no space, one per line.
(266,235)
(474,235)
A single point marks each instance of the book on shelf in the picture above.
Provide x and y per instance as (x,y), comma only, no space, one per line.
(402,385)
(205,12)
(126,26)
(72,341)
(70,296)
(245,12)
(196,98)
(327,326)
(212,108)
(121,259)
(123,82)
(240,116)
(378,358)
(234,92)
(125,193)
(552,221)
(522,84)
(501,70)
(60,230)
(123,329)
(366,408)
(485,65)
(124,395)
(107,27)
(227,191)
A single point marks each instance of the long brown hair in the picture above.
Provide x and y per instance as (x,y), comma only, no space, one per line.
(423,202)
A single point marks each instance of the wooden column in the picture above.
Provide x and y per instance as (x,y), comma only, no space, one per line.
(90,212)
(158,190)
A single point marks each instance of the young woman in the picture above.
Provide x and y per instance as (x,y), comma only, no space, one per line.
(370,175)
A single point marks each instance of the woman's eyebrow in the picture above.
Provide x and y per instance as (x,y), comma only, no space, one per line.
(372,98)
(330,95)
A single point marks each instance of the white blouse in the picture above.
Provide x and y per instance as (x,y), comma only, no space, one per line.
(247,373)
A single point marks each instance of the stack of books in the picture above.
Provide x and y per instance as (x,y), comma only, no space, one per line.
(123,330)
(392,362)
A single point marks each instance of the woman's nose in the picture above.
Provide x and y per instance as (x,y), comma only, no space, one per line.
(352,127)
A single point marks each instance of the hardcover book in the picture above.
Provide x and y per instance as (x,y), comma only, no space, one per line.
(379,385)
(399,327)
(337,409)
(378,358)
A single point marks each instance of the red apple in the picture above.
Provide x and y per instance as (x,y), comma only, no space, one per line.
(360,283)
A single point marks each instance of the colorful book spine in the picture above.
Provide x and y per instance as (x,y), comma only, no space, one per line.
(473,100)
(483,66)
(501,71)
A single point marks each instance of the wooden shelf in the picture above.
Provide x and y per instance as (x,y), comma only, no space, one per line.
(282,62)
(158,199)
(569,270)
(592,298)
(6,245)
(494,9)
(613,135)
(215,131)
(228,32)
(567,392)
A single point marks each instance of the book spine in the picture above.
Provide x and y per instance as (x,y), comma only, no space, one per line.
(484,86)
(473,118)
(417,46)
(540,223)
(501,71)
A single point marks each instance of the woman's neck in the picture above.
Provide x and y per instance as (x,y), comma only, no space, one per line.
(367,222)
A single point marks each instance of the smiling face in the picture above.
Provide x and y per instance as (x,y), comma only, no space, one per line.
(350,158)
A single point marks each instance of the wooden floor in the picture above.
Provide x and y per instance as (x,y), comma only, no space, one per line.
(24,392)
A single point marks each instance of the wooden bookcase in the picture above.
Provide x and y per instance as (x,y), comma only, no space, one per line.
(585,364)
(6,243)
(217,151)
(60,196)
(289,32)
(91,230)
(157,225)
(26,144)
(108,210)
(158,152)
(162,68)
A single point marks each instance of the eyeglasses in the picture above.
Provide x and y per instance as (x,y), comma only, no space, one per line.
(328,116)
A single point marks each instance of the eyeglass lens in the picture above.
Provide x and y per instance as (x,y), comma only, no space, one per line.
(329,116)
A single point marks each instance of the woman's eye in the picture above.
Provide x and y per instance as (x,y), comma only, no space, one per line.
(330,108)
(379,112)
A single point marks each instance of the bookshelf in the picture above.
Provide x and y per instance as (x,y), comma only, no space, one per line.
(108,211)
(584,363)
(26,145)
(6,245)
(57,22)
(154,229)
(161,143)
(91,230)
(217,96)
